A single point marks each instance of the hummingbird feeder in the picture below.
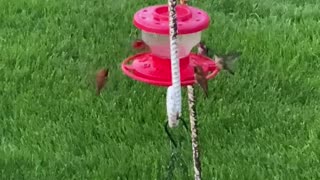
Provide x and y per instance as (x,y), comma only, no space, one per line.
(171,31)
(155,67)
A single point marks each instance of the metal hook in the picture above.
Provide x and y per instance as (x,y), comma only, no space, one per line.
(184,123)
(168,133)
(167,130)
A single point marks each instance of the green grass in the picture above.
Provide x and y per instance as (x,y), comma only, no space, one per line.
(262,123)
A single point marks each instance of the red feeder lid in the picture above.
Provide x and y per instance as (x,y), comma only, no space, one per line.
(155,19)
(152,70)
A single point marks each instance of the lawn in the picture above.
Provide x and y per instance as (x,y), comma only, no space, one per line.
(261,123)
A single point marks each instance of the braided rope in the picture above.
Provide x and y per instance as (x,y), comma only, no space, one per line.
(194,133)
(175,67)
(176,90)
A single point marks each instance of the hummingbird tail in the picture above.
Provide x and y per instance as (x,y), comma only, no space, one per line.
(231,72)
(205,93)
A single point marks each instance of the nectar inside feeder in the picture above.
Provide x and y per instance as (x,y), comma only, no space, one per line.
(155,67)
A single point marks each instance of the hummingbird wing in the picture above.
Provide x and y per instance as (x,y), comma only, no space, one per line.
(229,60)
(231,57)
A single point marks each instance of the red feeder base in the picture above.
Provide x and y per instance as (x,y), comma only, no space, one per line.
(150,69)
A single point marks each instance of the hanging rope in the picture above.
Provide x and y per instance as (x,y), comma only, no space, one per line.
(174,96)
(174,91)
(175,67)
(194,133)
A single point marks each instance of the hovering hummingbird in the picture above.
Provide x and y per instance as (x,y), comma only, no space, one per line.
(203,49)
(201,79)
(225,62)
(140,45)
(101,78)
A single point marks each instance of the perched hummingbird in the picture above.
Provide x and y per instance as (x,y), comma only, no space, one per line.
(202,49)
(201,79)
(225,62)
(140,45)
(101,79)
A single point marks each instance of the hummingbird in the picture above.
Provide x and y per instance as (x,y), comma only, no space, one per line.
(101,78)
(140,45)
(201,79)
(225,62)
(203,49)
